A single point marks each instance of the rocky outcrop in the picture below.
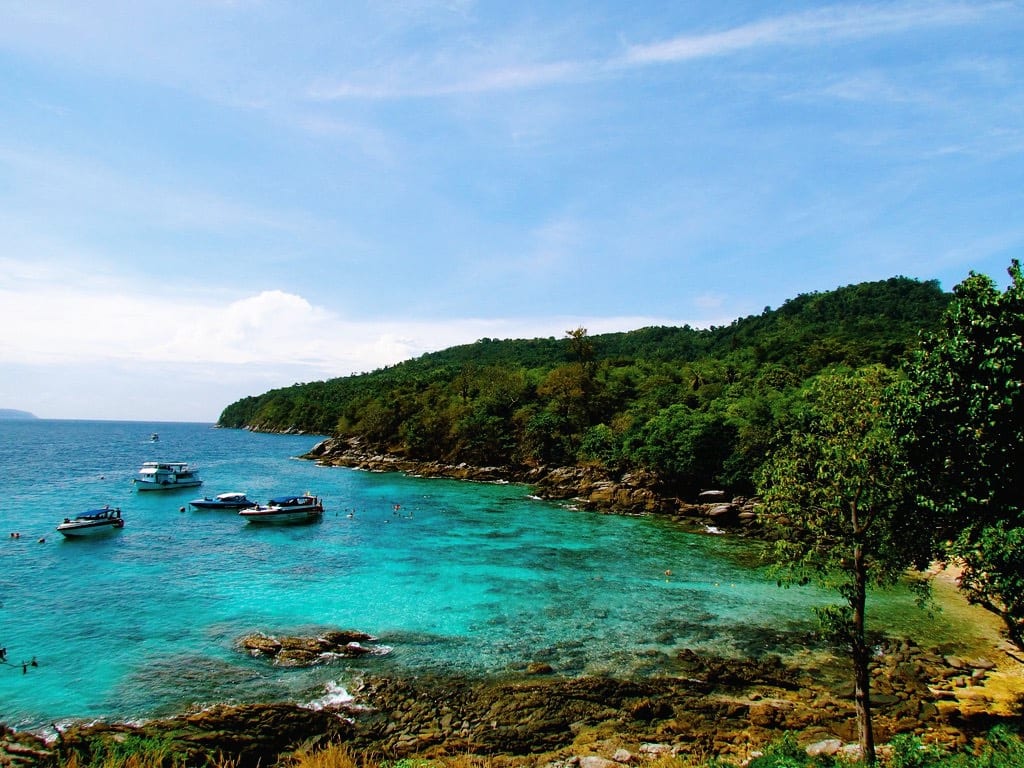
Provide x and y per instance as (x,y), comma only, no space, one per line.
(637,492)
(721,706)
(22,750)
(342,452)
(302,651)
(251,735)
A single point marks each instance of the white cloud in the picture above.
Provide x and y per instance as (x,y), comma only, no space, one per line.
(62,320)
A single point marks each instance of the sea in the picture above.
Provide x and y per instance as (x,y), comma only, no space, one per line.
(450,577)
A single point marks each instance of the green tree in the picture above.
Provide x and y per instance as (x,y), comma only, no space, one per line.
(840,494)
(967,422)
(687,448)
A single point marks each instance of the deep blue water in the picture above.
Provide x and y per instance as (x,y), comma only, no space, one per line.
(466,578)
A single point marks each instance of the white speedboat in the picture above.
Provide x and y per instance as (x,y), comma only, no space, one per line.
(229,500)
(285,510)
(166,476)
(92,522)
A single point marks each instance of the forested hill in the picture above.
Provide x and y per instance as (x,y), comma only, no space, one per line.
(693,406)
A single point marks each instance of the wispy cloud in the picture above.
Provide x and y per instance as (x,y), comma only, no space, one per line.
(842,22)
(510,78)
(831,24)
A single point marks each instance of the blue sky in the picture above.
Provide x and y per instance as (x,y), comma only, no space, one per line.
(205,199)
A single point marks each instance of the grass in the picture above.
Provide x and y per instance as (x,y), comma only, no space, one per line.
(1002,748)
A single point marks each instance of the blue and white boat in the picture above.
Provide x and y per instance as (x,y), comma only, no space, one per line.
(229,500)
(92,522)
(166,476)
(286,510)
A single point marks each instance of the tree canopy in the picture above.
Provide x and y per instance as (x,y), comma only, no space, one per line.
(966,418)
(840,492)
(696,406)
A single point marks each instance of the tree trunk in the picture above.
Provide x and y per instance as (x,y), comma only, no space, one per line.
(861,657)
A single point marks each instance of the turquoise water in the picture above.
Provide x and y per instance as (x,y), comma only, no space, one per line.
(464,578)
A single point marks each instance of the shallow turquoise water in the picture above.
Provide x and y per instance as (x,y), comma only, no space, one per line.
(464,578)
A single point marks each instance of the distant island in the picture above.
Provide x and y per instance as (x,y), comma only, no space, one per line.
(10,414)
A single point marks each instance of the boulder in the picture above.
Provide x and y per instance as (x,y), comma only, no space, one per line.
(826,747)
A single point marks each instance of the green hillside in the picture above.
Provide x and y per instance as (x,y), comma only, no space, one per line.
(694,406)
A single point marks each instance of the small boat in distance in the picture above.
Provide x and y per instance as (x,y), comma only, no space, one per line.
(92,522)
(286,510)
(229,500)
(154,438)
(166,476)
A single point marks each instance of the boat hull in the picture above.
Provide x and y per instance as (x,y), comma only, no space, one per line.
(85,530)
(282,517)
(168,485)
(219,504)
(166,476)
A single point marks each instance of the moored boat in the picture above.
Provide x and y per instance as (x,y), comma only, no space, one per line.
(92,522)
(285,510)
(229,500)
(166,476)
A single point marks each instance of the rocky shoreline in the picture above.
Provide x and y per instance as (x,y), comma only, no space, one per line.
(711,706)
(636,493)
(705,706)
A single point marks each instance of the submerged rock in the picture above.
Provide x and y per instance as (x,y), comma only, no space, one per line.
(301,651)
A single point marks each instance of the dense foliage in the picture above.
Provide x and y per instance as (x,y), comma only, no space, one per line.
(966,417)
(842,489)
(698,407)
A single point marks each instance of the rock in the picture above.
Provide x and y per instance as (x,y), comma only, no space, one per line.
(253,735)
(884,700)
(721,511)
(19,749)
(983,664)
(827,748)
(763,714)
(655,750)
(623,756)
(301,651)
(260,644)
(346,636)
(593,761)
(539,668)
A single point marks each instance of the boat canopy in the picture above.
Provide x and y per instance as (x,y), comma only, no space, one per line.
(296,499)
(96,514)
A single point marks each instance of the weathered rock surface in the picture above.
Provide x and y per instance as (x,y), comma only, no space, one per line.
(253,735)
(713,705)
(294,651)
(638,492)
(21,750)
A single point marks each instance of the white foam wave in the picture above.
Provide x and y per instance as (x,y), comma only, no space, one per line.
(335,695)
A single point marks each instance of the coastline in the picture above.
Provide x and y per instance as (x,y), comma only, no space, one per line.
(704,705)
(712,705)
(631,493)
